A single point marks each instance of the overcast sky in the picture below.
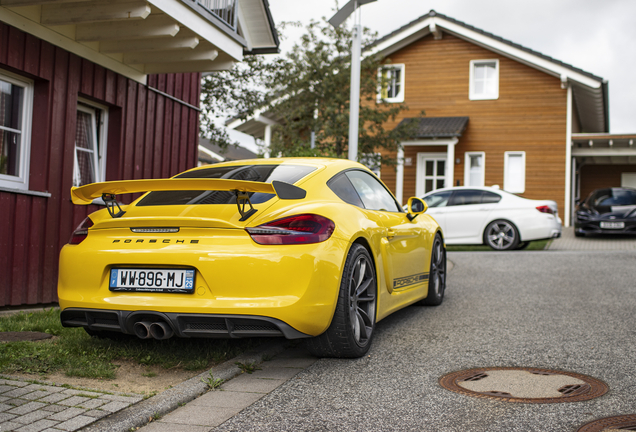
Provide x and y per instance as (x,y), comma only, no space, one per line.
(598,36)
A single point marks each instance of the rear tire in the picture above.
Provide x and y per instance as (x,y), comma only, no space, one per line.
(436,274)
(353,322)
(501,235)
(579,234)
(523,245)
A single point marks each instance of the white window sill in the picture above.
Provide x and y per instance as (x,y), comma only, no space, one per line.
(26,192)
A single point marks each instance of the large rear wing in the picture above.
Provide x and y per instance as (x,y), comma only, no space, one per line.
(85,195)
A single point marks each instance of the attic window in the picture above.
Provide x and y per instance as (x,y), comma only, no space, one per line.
(391,79)
(484,80)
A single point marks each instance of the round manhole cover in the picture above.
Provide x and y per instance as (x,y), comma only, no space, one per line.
(524,385)
(607,424)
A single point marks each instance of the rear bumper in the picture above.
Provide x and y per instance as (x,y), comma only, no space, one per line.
(184,325)
(593,227)
(297,285)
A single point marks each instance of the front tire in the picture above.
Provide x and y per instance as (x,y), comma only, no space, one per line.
(353,322)
(437,274)
(501,235)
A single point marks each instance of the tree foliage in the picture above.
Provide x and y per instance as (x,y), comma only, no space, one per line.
(307,90)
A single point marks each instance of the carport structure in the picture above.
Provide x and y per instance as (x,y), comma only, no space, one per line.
(601,160)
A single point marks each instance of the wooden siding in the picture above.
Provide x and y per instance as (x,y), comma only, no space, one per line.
(602,176)
(529,115)
(149,136)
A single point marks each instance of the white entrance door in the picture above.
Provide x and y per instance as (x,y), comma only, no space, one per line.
(431,172)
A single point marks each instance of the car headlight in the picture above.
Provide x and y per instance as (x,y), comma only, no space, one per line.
(584,216)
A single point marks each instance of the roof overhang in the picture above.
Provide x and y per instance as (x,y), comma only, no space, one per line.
(590,92)
(140,37)
(254,125)
(602,148)
(435,127)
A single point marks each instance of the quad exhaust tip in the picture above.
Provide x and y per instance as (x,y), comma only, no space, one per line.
(159,330)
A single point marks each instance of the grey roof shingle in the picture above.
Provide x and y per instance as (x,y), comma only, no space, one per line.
(437,127)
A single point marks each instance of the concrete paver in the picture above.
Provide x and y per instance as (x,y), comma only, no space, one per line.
(226,399)
(28,407)
(569,242)
(194,415)
(217,406)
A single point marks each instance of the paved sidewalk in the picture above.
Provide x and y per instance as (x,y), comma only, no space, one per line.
(215,407)
(569,242)
(27,407)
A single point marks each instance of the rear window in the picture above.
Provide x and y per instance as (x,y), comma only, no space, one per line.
(258,173)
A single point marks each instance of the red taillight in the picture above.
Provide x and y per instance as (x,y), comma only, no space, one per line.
(80,232)
(545,209)
(301,229)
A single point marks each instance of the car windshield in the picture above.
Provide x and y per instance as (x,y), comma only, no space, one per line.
(613,197)
(258,173)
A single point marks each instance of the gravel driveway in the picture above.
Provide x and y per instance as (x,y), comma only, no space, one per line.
(571,311)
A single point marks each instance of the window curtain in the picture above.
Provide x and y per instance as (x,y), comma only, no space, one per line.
(84,150)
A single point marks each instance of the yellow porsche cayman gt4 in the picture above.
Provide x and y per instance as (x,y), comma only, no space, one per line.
(301,248)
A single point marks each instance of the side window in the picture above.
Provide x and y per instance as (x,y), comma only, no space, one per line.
(16,102)
(465,197)
(341,186)
(484,80)
(391,78)
(490,198)
(90,144)
(474,167)
(515,172)
(373,194)
(438,199)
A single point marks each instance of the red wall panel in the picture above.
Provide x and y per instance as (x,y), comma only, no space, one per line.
(149,136)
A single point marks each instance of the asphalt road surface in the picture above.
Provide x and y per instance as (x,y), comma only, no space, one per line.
(570,311)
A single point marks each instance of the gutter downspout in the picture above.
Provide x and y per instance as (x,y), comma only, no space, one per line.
(399,175)
(568,158)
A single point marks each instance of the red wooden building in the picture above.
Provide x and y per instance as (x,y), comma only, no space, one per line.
(100,90)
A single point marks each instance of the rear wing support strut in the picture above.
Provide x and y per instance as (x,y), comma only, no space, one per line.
(242,201)
(111,203)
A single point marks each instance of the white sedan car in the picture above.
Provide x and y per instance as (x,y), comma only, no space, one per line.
(487,215)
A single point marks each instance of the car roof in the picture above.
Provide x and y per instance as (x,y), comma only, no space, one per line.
(332,164)
(455,188)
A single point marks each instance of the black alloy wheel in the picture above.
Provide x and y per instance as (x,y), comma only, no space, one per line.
(353,322)
(437,274)
(501,235)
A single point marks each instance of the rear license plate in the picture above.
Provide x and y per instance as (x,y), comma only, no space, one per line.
(152,280)
(613,225)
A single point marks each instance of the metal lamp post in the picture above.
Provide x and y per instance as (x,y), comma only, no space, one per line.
(356,46)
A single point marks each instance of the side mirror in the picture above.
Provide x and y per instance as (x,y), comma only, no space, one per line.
(416,206)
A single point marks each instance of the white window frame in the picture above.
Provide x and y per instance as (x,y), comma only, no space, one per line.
(482,180)
(21,181)
(483,96)
(508,176)
(100,141)
(400,96)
